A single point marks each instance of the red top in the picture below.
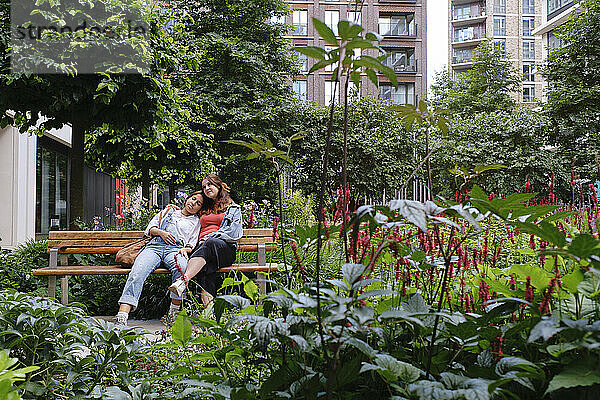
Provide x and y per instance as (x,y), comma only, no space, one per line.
(210,223)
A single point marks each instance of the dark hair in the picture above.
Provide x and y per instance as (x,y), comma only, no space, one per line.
(223,200)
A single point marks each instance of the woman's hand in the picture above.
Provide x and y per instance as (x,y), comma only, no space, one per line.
(185,252)
(167,237)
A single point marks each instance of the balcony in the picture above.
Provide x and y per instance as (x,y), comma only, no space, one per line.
(468,36)
(470,19)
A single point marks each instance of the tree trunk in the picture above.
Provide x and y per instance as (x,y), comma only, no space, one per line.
(172,193)
(76,187)
(146,187)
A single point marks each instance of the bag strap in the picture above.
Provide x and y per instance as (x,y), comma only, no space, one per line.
(165,212)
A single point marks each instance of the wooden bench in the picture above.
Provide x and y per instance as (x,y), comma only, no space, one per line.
(63,243)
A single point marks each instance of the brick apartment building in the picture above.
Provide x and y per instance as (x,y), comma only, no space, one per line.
(510,23)
(402,23)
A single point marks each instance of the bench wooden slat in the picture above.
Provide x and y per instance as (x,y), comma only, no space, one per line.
(117,270)
(90,243)
(79,235)
(255,240)
(114,250)
(123,242)
(260,232)
(253,247)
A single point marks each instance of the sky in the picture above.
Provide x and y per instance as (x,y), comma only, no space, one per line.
(437,37)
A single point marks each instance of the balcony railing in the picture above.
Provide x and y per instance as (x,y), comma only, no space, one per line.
(461,60)
(396,29)
(466,36)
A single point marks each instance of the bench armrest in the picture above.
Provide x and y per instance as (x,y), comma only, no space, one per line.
(54,257)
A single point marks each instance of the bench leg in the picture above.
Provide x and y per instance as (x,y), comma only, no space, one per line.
(52,287)
(64,290)
(262,284)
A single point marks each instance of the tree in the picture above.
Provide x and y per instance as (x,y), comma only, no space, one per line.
(380,152)
(517,139)
(125,102)
(237,70)
(486,87)
(573,75)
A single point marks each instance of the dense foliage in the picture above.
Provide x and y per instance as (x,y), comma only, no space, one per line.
(573,74)
(380,151)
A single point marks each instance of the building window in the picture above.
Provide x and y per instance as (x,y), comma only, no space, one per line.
(499,6)
(462,55)
(51,190)
(329,89)
(302,62)
(355,17)
(528,49)
(299,88)
(405,94)
(462,12)
(528,93)
(554,5)
(528,6)
(353,92)
(331,20)
(397,25)
(401,60)
(330,67)
(554,42)
(300,22)
(528,26)
(500,44)
(528,72)
(278,19)
(499,26)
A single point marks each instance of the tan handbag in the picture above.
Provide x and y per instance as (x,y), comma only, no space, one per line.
(127,255)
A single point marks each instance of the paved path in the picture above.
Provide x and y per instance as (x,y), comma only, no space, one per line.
(152,326)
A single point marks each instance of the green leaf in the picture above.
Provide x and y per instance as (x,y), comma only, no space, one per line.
(321,64)
(352,272)
(539,277)
(583,246)
(559,215)
(570,281)
(182,329)
(251,290)
(343,29)
(355,29)
(374,37)
(545,329)
(312,51)
(579,373)
(372,77)
(325,32)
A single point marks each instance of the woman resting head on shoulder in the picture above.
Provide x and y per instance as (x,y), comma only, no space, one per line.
(220,230)
(174,232)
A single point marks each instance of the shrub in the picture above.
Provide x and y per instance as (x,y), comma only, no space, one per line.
(16,266)
(76,354)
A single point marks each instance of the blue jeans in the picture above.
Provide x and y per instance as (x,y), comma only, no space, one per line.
(155,253)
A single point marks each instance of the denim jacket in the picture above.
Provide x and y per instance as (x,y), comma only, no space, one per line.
(230,229)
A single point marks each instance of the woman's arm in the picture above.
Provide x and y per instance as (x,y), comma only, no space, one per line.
(153,230)
(231,228)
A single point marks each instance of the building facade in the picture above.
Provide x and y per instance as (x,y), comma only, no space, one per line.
(35,173)
(554,14)
(510,23)
(403,25)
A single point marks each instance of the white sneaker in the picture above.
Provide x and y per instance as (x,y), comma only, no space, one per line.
(120,319)
(178,287)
